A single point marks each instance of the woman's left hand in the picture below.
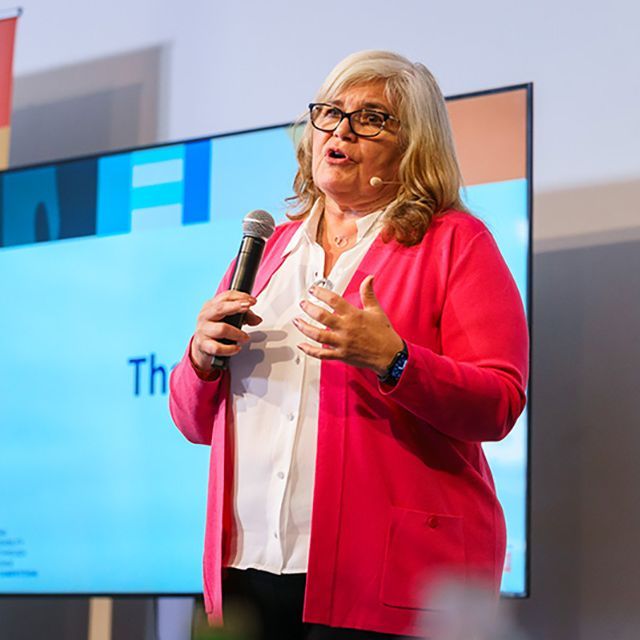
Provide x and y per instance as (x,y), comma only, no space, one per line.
(360,337)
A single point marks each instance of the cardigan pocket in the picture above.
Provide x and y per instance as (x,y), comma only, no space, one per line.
(421,546)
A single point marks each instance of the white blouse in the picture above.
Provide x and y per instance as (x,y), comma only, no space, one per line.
(275,393)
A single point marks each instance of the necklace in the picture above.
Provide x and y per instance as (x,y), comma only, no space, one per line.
(340,241)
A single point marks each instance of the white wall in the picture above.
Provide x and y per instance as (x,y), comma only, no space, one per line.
(241,64)
(232,65)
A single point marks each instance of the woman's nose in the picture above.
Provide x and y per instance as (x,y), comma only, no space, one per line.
(343,130)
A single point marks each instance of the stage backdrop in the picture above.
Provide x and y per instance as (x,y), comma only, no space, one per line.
(104,264)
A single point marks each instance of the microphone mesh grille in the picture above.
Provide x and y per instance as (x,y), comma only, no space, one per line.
(258,224)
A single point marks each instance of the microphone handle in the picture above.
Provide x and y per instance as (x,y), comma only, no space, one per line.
(244,275)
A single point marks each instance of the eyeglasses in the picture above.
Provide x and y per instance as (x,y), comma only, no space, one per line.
(366,123)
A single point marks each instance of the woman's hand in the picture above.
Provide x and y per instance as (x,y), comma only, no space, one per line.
(210,330)
(360,337)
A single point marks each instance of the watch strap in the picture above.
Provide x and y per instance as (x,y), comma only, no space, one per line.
(395,369)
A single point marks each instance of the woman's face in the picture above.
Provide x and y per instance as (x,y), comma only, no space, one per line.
(344,163)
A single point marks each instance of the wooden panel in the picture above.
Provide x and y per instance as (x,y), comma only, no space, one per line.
(4,147)
(100,616)
(491,134)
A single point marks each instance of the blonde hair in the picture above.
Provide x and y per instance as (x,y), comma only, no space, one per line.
(429,173)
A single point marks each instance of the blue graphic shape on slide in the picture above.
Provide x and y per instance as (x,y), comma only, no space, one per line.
(157,188)
(30,211)
(49,203)
(154,188)
(77,193)
(113,214)
(195,208)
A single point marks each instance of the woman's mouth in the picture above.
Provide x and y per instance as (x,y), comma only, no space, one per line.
(336,156)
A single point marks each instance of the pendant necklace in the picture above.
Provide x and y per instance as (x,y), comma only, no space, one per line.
(338,240)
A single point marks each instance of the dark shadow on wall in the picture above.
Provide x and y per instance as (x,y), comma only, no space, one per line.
(54,618)
(585,575)
(63,618)
(99,105)
(134,619)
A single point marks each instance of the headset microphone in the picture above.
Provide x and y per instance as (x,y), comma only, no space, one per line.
(378,182)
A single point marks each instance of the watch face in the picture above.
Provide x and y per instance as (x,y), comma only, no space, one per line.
(398,366)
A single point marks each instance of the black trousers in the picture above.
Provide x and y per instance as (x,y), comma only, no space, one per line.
(269,607)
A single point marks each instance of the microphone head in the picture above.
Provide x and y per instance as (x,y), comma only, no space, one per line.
(375,181)
(258,224)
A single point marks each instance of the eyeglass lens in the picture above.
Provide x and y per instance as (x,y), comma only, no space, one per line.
(363,122)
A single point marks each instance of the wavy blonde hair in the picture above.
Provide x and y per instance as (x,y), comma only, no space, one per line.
(429,173)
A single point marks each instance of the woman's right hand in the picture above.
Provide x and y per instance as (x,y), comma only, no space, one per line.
(210,330)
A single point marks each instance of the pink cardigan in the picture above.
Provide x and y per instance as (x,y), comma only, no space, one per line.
(403,492)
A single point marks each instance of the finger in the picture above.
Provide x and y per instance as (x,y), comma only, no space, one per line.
(321,353)
(232,294)
(323,316)
(336,302)
(215,348)
(252,319)
(217,330)
(229,296)
(367,294)
(323,336)
(218,310)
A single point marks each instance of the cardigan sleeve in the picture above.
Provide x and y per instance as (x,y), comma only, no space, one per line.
(193,401)
(475,389)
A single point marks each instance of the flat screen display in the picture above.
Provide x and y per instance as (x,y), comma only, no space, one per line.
(105,262)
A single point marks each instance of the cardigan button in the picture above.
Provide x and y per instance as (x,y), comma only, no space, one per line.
(432,521)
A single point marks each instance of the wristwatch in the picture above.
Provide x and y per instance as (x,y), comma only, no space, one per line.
(395,369)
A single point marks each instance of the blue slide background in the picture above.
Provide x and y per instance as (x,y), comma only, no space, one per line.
(100,285)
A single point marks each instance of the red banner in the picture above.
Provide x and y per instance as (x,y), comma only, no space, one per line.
(8,21)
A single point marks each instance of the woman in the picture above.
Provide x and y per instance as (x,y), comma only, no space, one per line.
(347,473)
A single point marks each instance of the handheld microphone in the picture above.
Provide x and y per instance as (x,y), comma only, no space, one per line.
(378,182)
(257,227)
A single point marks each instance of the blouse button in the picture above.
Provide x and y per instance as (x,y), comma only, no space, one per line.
(432,521)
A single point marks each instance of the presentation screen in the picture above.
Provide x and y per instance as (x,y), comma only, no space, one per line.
(105,262)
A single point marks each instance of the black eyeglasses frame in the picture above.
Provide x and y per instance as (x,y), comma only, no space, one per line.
(344,114)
